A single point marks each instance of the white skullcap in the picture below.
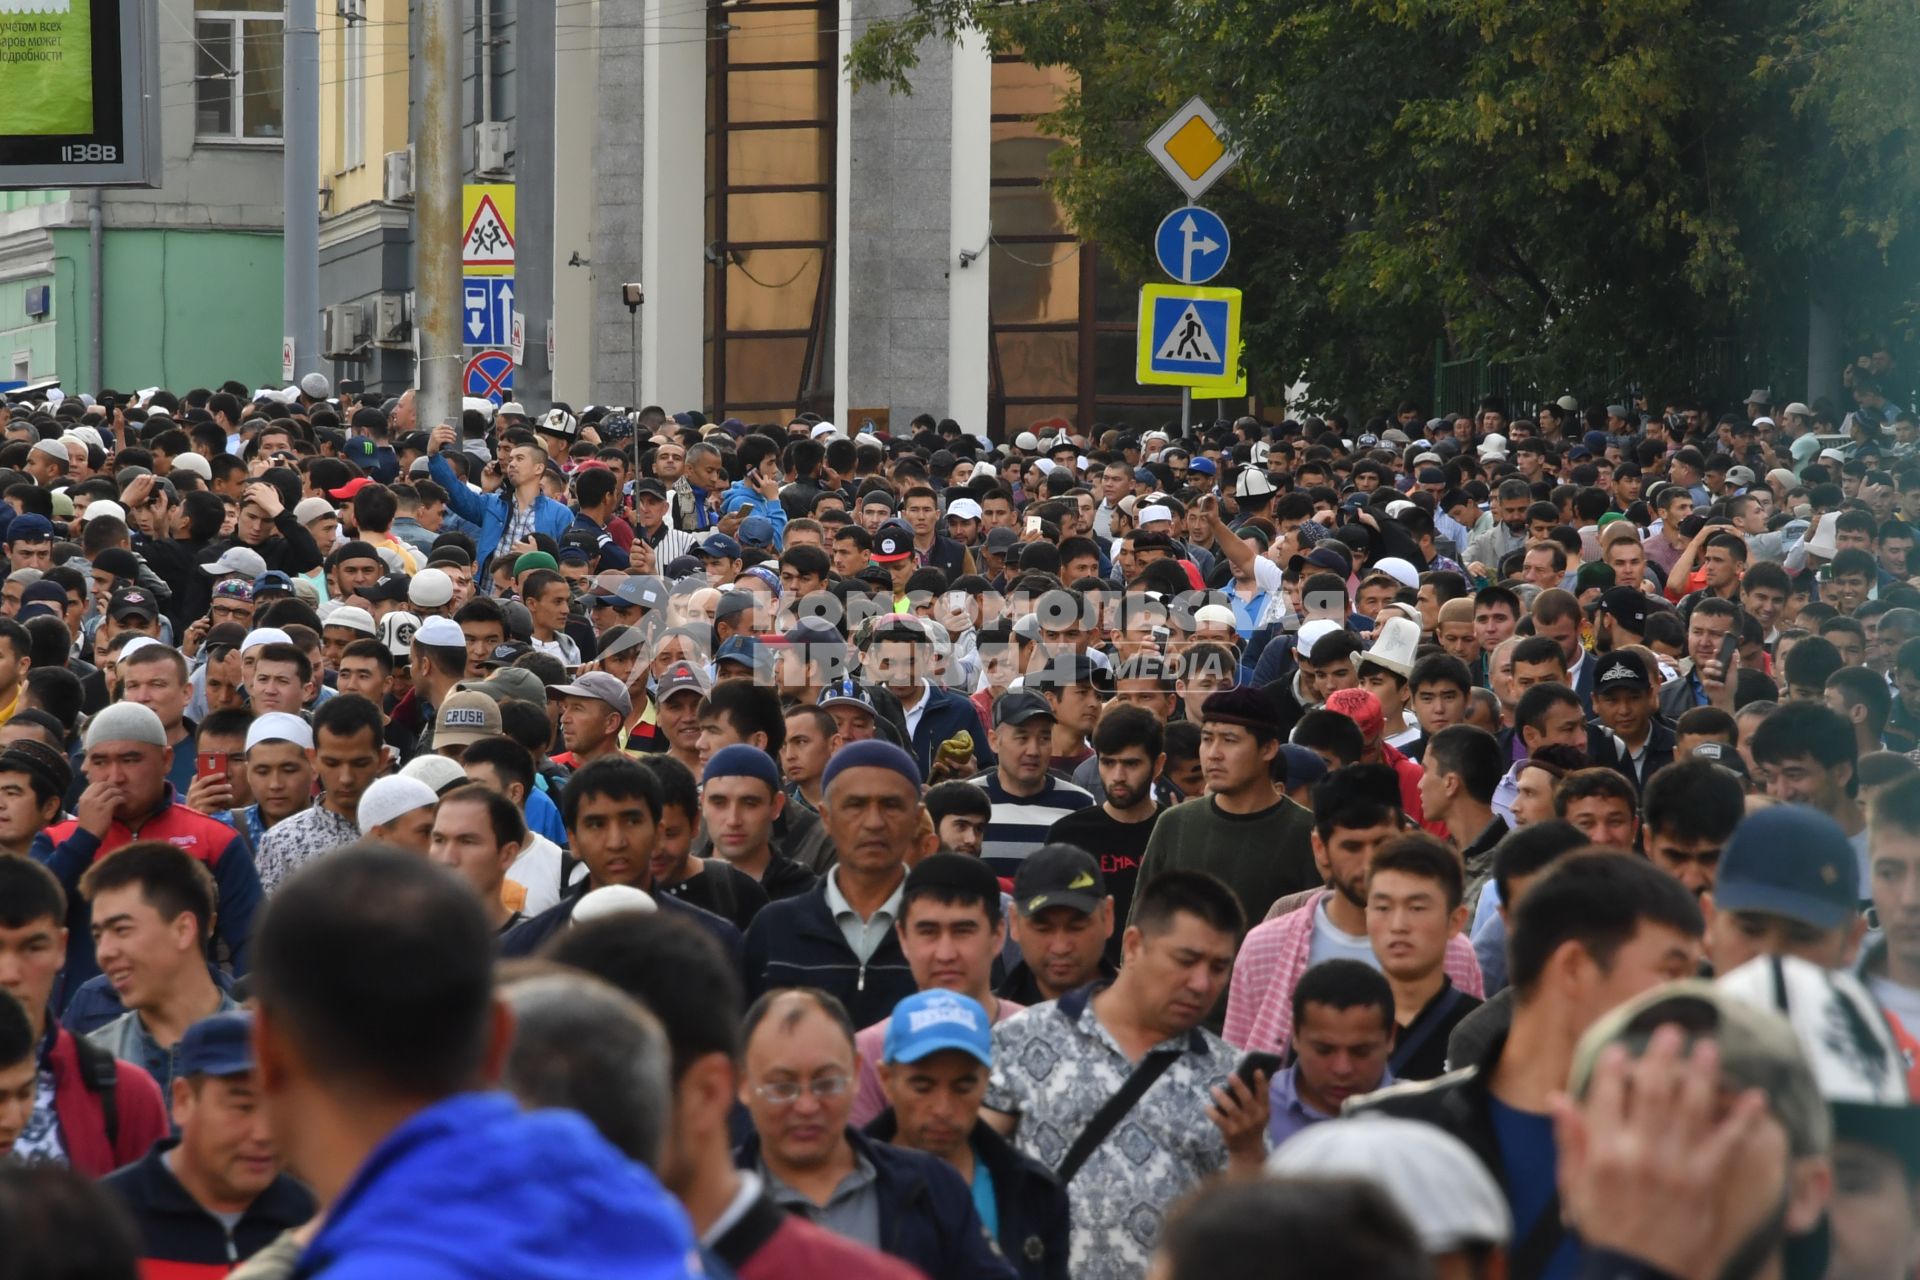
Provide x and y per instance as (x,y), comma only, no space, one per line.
(392,796)
(134,646)
(100,507)
(279,726)
(440,633)
(263,635)
(437,772)
(194,464)
(612,900)
(1311,634)
(353,618)
(1432,1176)
(126,722)
(1401,571)
(1147,515)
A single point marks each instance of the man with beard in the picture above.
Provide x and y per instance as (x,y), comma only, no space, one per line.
(1128,743)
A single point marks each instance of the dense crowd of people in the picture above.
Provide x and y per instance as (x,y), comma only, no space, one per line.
(620,843)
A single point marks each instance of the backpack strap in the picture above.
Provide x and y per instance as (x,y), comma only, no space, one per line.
(100,1072)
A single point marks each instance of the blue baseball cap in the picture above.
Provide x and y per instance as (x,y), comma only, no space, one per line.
(273,580)
(1203,465)
(218,1046)
(757,531)
(30,528)
(929,1022)
(740,649)
(1793,861)
(718,546)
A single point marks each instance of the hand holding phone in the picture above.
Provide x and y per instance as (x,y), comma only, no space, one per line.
(1266,1064)
(213,764)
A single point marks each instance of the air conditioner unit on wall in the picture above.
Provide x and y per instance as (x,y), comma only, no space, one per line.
(399,184)
(393,321)
(344,330)
(492,147)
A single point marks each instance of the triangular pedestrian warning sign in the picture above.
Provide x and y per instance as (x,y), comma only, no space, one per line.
(487,242)
(1188,341)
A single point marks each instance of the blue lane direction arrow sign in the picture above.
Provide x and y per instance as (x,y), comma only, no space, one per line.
(1192,244)
(486,318)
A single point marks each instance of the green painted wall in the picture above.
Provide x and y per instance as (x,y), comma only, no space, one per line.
(20,335)
(183,308)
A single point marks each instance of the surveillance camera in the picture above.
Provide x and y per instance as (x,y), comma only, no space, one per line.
(633,294)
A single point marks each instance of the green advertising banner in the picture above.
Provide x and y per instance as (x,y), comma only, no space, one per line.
(46,64)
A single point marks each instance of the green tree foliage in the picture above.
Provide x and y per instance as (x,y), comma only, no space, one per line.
(1549,179)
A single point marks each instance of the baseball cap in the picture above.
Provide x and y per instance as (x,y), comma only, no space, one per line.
(1059,875)
(1001,540)
(964,509)
(310,509)
(1434,1178)
(1793,861)
(1305,766)
(1017,706)
(505,655)
(757,531)
(218,1046)
(600,686)
(679,678)
(930,1022)
(893,543)
(1758,1050)
(464,718)
(743,650)
(512,684)
(271,580)
(1627,606)
(1324,556)
(241,562)
(132,602)
(30,528)
(846,692)
(1622,669)
(718,546)
(350,488)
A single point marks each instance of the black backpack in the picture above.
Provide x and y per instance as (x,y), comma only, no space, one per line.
(100,1072)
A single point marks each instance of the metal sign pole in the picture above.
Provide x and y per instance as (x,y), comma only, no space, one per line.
(1186,409)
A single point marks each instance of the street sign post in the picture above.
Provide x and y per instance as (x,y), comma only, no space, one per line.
(1192,244)
(1189,335)
(1192,148)
(489,376)
(486,318)
(487,238)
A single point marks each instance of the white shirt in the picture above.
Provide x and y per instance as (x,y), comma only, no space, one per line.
(918,709)
(537,870)
(1331,942)
(1902,1002)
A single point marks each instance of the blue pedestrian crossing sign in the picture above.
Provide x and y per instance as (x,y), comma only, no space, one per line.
(1192,244)
(1189,335)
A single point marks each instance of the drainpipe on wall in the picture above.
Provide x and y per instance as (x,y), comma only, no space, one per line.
(96,294)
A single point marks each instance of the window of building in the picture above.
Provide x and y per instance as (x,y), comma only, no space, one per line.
(238,63)
(352,61)
(1061,322)
(772,108)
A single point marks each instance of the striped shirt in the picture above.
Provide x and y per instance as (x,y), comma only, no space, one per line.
(1018,824)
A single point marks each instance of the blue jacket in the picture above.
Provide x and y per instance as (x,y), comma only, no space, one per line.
(473,1187)
(740,496)
(927,1216)
(489,512)
(1034,1219)
(948,713)
(795,943)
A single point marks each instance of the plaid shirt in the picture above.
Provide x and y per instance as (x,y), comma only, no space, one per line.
(1269,966)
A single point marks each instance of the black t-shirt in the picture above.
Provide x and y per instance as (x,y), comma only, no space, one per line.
(1423,1042)
(729,893)
(1119,848)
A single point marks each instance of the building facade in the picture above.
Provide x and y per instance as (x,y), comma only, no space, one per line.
(188,274)
(801,245)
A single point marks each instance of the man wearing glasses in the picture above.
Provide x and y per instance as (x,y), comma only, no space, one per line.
(798,1087)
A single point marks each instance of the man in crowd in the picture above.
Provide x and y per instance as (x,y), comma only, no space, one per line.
(798,1088)
(1027,798)
(1128,746)
(1058,1066)
(349,753)
(217,1193)
(1343,1032)
(152,917)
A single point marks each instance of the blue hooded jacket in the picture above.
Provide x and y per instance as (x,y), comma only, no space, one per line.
(473,1187)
